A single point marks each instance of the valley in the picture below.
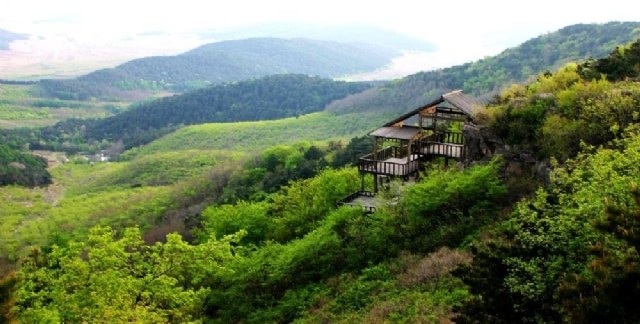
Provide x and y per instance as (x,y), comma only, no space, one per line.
(215,200)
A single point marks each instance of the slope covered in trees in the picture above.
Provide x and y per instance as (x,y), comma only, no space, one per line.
(487,76)
(22,168)
(272,97)
(224,62)
(496,242)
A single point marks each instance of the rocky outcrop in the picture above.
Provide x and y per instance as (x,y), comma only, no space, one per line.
(483,144)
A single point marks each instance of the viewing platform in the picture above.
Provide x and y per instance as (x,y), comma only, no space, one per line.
(403,146)
(363,199)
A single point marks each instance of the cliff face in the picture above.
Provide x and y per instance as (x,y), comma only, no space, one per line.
(483,144)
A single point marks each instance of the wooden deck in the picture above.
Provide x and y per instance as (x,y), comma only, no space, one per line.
(392,166)
(363,199)
(455,151)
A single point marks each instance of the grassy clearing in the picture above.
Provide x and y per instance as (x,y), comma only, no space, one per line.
(252,136)
(118,194)
(19,107)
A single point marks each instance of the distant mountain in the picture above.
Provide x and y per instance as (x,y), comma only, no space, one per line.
(272,97)
(226,61)
(6,37)
(486,77)
(340,33)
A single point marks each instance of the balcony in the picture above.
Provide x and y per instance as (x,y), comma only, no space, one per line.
(362,199)
(391,161)
(446,144)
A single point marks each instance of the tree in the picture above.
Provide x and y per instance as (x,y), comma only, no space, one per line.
(118,280)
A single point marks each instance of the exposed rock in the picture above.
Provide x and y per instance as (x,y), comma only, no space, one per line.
(482,143)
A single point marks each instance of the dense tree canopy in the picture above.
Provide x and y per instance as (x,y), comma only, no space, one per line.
(465,244)
(22,168)
(223,62)
(486,77)
(271,97)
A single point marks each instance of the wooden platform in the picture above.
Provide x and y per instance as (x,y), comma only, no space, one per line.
(392,166)
(455,151)
(363,199)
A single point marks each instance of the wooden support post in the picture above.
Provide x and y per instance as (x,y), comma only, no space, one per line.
(362,182)
(375,148)
(375,183)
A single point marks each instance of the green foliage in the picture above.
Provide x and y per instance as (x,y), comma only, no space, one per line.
(559,111)
(381,293)
(118,280)
(302,205)
(550,261)
(21,106)
(265,275)
(22,168)
(157,169)
(271,283)
(228,219)
(568,253)
(252,136)
(447,206)
(621,64)
(357,147)
(272,97)
(222,62)
(488,76)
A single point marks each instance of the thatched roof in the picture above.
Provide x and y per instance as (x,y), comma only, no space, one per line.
(454,102)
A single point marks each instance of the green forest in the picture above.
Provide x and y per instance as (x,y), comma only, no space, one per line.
(236,222)
(542,228)
(272,97)
(486,77)
(222,62)
(268,98)
(21,168)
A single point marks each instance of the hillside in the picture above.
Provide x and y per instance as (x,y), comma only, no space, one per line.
(221,62)
(487,76)
(541,228)
(356,32)
(257,135)
(20,107)
(22,168)
(271,97)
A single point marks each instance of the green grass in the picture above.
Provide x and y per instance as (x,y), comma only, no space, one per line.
(156,169)
(128,193)
(33,217)
(20,107)
(258,135)
(146,184)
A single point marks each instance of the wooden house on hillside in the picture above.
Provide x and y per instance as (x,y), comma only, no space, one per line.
(402,146)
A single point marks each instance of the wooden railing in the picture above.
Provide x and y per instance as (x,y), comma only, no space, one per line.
(451,138)
(448,144)
(456,151)
(386,153)
(348,201)
(377,163)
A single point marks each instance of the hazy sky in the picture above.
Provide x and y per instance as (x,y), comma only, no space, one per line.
(473,28)
(435,21)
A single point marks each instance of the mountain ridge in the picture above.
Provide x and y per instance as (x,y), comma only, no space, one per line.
(220,62)
(485,77)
